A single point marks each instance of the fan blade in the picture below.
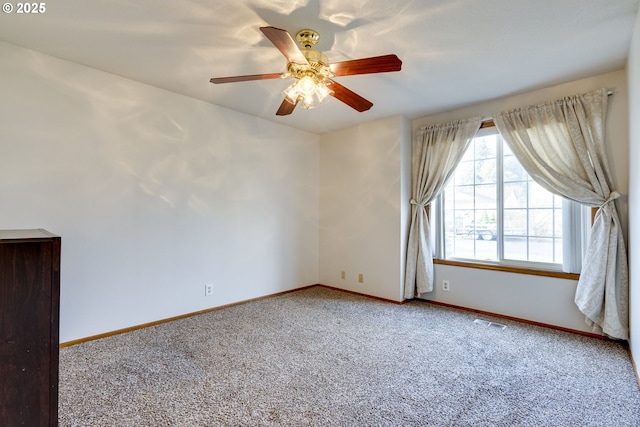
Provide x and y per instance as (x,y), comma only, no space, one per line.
(285,44)
(286,108)
(349,97)
(232,79)
(376,64)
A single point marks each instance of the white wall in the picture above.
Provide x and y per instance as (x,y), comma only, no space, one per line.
(535,298)
(633,70)
(154,194)
(364,197)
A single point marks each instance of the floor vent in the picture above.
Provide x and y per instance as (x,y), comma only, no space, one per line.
(487,323)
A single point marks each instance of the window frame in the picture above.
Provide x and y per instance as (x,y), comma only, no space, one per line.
(514,266)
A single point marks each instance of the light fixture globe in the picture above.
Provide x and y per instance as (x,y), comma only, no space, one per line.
(307,90)
(307,86)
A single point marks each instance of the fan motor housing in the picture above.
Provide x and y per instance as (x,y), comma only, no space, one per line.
(315,56)
(318,66)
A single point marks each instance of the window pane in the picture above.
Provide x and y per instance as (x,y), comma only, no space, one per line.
(464,220)
(464,197)
(515,248)
(485,147)
(557,202)
(515,195)
(541,250)
(539,197)
(541,222)
(484,226)
(530,217)
(486,197)
(486,171)
(513,171)
(449,198)
(515,222)
(464,173)
(486,250)
(469,155)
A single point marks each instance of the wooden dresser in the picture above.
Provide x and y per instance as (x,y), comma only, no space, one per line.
(29,319)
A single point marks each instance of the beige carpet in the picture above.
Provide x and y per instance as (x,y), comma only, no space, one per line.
(320,357)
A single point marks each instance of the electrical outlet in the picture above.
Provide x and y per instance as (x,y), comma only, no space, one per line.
(208,289)
(446,285)
(343,274)
(361,278)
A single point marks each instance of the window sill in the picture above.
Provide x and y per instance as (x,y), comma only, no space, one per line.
(508,269)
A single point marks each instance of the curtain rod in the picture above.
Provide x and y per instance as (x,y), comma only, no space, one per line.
(489,122)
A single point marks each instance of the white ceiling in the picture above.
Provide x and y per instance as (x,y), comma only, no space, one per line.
(454,52)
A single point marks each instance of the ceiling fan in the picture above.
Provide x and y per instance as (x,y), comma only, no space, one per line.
(314,74)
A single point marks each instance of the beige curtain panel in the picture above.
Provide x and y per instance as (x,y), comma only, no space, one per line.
(437,150)
(561,145)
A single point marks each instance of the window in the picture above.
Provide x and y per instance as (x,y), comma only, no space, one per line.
(492,211)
